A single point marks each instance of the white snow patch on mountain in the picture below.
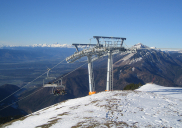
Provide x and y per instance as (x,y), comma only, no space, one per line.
(140,45)
(126,58)
(149,106)
(135,60)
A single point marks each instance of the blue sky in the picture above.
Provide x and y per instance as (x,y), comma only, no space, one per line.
(152,22)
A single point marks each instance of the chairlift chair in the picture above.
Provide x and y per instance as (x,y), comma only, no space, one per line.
(48,80)
(57,88)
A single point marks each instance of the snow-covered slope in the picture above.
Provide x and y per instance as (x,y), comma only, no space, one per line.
(111,109)
(129,57)
(175,92)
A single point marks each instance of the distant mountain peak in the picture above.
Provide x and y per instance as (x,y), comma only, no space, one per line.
(140,45)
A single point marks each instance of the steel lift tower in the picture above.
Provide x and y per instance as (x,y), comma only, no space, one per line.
(113,44)
(89,53)
(90,67)
(105,46)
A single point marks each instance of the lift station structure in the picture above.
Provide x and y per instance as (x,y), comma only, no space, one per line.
(105,46)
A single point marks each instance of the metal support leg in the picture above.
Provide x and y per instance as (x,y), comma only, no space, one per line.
(109,84)
(90,76)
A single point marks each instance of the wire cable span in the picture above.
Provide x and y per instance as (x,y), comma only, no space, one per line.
(31,81)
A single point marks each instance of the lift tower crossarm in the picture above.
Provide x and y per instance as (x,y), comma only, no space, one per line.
(76,45)
(98,37)
(109,37)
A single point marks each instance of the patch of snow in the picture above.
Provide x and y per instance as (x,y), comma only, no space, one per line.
(153,47)
(175,92)
(140,45)
(126,58)
(135,60)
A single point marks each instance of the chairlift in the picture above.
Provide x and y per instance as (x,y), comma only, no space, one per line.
(57,87)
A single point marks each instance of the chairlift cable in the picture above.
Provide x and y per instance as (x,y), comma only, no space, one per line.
(71,72)
(21,99)
(31,81)
(74,70)
(22,87)
(40,88)
(125,44)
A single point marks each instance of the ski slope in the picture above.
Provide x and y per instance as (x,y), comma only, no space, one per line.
(175,92)
(149,106)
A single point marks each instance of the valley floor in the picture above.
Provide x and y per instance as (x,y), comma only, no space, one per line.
(149,106)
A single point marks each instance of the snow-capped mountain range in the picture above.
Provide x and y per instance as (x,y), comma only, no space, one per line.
(149,106)
(57,45)
(41,45)
(51,45)
(139,45)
